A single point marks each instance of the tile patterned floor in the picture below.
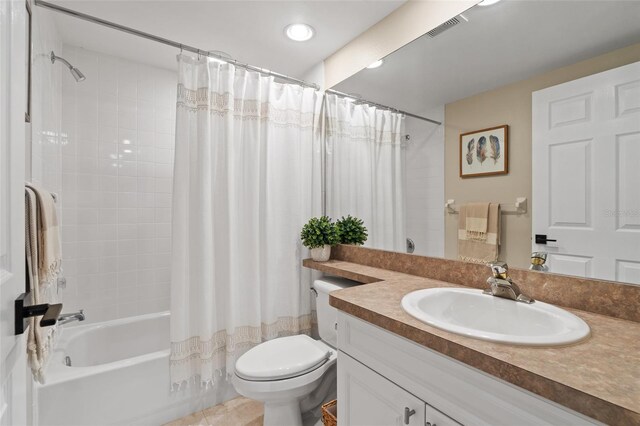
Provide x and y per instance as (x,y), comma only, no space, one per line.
(236,412)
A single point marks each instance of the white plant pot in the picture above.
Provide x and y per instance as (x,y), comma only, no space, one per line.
(321,254)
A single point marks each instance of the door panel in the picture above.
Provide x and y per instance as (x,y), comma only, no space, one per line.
(569,111)
(434,417)
(13,371)
(627,98)
(570,203)
(586,145)
(368,399)
(628,182)
(628,271)
(570,265)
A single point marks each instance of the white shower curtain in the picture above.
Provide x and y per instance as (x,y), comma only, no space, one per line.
(246,178)
(365,169)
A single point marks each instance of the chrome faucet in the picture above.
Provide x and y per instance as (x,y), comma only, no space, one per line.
(74,316)
(538,259)
(500,285)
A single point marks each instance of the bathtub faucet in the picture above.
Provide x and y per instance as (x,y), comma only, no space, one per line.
(75,316)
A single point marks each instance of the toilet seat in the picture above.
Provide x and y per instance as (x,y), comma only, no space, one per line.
(282,358)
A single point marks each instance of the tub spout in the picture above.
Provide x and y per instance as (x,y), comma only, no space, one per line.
(74,316)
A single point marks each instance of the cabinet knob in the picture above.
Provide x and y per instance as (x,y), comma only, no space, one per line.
(429,424)
(407,414)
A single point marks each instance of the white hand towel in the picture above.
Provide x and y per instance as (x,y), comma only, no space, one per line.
(480,250)
(476,222)
(48,232)
(40,340)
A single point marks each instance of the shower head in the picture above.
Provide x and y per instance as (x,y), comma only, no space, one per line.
(75,72)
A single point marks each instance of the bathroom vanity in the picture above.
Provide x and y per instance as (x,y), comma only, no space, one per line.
(383,377)
(395,369)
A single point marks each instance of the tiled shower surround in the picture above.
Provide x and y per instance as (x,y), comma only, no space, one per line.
(117,150)
(425,184)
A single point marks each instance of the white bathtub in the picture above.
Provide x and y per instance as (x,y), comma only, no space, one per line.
(119,375)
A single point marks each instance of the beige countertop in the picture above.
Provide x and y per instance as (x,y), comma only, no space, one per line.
(599,377)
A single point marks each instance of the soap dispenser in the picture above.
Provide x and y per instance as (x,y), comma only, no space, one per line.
(538,259)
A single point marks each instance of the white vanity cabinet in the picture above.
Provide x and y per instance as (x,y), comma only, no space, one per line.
(385,379)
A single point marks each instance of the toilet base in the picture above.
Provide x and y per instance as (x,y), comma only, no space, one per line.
(282,413)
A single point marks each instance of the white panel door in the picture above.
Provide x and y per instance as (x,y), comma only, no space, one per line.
(13,369)
(586,175)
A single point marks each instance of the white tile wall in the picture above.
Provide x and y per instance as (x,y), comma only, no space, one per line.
(425,184)
(115,194)
(47,138)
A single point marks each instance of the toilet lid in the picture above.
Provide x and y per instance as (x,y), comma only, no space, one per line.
(282,358)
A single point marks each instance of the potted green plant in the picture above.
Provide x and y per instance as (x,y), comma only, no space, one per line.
(319,234)
(352,230)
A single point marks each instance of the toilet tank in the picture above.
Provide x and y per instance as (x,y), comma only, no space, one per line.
(327,315)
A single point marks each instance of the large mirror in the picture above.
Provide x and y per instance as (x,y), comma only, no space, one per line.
(539,111)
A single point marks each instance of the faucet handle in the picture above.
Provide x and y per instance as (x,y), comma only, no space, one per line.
(499,270)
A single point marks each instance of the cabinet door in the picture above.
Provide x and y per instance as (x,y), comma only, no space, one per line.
(434,417)
(365,398)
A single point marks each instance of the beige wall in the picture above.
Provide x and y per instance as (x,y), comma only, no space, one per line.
(510,105)
(402,26)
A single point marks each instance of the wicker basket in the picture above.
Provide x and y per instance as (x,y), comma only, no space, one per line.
(330,413)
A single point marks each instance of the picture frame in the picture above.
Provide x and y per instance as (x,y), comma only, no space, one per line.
(484,152)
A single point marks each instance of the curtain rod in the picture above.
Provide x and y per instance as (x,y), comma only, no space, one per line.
(129,30)
(359,99)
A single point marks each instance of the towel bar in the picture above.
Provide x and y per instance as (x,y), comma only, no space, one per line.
(519,207)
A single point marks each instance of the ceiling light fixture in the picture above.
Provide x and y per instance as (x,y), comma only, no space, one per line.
(488,2)
(376,64)
(299,32)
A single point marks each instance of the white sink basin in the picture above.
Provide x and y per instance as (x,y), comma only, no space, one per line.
(474,314)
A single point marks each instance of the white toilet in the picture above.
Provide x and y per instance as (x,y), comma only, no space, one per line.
(284,371)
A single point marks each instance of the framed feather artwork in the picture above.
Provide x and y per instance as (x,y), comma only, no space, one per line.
(484,152)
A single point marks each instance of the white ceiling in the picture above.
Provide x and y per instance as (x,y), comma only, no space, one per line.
(504,43)
(250,31)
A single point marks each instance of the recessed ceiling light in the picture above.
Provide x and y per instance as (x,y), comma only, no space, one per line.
(299,32)
(376,64)
(488,2)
